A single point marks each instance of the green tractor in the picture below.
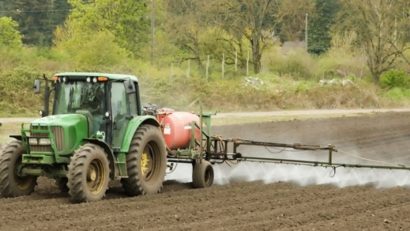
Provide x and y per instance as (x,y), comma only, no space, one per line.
(96,132)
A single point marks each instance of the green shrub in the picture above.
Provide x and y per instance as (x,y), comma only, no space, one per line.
(395,78)
(17,96)
(398,94)
(296,63)
(9,33)
(340,63)
(96,52)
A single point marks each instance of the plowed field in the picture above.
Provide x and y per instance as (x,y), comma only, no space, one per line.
(280,197)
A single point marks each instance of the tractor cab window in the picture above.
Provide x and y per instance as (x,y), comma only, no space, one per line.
(120,111)
(85,98)
(78,95)
(118,100)
(132,98)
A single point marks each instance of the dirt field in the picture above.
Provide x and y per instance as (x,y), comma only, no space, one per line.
(240,205)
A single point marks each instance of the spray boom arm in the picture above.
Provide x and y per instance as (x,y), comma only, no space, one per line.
(219,153)
(219,150)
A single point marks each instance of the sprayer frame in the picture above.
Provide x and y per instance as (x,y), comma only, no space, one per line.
(216,150)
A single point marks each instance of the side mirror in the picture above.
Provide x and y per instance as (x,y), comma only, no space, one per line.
(129,86)
(36,86)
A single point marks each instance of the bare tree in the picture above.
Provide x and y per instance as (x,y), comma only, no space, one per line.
(382,29)
(252,19)
(184,26)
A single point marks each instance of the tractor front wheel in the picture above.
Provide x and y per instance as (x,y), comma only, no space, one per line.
(202,174)
(146,162)
(88,174)
(12,184)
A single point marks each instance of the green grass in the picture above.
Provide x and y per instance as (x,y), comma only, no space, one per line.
(397,94)
(8,129)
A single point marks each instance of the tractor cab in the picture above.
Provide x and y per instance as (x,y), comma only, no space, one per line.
(107,101)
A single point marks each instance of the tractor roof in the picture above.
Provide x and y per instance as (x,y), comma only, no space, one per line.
(96,74)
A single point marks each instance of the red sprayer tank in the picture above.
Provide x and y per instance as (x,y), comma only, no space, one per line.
(176,127)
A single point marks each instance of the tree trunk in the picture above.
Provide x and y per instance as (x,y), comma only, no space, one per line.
(375,76)
(256,54)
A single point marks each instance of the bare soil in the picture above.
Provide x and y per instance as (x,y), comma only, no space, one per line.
(245,205)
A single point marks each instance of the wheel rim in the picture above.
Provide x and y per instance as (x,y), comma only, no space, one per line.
(147,162)
(22,182)
(96,176)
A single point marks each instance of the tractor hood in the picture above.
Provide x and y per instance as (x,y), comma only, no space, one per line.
(66,131)
(64,120)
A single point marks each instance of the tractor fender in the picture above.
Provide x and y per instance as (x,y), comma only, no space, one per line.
(133,125)
(110,155)
(17,137)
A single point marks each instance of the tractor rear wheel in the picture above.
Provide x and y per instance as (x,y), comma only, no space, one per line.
(202,174)
(11,183)
(88,174)
(146,162)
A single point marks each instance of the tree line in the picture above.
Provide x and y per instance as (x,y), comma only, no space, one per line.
(165,31)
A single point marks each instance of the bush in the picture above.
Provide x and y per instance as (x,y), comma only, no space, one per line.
(96,52)
(296,63)
(17,96)
(341,63)
(9,33)
(395,78)
(398,94)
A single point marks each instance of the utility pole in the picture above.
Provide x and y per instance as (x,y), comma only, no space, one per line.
(306,30)
(152,31)
(395,31)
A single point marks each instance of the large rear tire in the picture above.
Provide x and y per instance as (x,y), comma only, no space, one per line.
(88,174)
(202,174)
(11,184)
(146,162)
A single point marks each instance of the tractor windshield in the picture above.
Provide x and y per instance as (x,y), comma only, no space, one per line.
(79,95)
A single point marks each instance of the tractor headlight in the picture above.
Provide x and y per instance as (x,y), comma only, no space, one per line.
(44,141)
(33,141)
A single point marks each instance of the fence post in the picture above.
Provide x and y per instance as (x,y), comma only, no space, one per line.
(188,72)
(247,64)
(223,65)
(236,60)
(207,68)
